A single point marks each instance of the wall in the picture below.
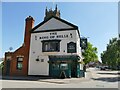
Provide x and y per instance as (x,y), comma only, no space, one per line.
(53,24)
(42,68)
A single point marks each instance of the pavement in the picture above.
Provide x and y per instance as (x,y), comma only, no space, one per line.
(50,79)
(47,79)
(93,79)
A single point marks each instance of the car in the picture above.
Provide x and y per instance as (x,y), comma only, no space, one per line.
(104,68)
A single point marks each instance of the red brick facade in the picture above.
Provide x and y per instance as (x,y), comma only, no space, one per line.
(23,52)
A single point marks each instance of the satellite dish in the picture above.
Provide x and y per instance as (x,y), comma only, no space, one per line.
(10,48)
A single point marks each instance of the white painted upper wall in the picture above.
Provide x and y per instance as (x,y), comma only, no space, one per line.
(66,36)
(36,45)
(53,24)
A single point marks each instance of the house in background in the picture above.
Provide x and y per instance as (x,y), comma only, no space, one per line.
(52,48)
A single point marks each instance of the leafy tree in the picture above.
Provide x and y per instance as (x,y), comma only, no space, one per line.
(111,56)
(90,54)
(1,65)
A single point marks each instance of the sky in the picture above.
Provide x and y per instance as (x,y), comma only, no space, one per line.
(96,20)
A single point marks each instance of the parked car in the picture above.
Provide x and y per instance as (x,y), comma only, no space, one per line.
(104,68)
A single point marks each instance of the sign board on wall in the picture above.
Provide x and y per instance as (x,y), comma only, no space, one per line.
(54,35)
(71,47)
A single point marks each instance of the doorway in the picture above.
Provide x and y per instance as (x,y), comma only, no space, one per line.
(7,67)
(73,69)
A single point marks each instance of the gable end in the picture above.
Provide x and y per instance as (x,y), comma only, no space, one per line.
(73,26)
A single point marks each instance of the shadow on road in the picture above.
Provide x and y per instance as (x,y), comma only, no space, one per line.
(110,73)
(108,79)
(27,78)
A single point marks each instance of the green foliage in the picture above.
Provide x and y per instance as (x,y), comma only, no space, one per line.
(111,56)
(90,54)
(2,65)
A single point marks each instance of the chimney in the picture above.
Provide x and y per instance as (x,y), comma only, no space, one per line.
(29,24)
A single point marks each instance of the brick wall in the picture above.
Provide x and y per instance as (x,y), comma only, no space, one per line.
(22,51)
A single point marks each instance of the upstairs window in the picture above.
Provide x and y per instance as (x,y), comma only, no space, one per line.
(51,45)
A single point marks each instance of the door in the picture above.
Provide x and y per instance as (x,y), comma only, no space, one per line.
(73,69)
(8,67)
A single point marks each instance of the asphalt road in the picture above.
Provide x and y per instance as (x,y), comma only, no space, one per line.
(94,79)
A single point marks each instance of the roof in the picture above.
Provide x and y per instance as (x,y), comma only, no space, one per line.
(40,24)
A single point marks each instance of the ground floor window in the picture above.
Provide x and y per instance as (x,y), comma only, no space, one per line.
(55,66)
(19,63)
(64,66)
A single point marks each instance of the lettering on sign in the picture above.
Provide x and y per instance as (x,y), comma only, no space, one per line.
(54,35)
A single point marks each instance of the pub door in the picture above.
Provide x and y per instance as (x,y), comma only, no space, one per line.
(73,69)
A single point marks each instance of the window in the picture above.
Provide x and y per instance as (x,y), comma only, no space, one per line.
(19,63)
(55,66)
(51,45)
(64,66)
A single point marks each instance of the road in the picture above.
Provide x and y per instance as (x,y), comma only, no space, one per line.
(94,79)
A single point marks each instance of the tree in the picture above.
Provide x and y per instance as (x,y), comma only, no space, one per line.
(90,54)
(1,65)
(111,56)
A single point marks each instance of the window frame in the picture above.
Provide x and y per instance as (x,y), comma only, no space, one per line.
(50,41)
(19,61)
(64,66)
(55,66)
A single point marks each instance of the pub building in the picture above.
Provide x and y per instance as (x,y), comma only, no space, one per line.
(52,48)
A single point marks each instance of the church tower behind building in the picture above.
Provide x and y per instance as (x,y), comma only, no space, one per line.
(51,12)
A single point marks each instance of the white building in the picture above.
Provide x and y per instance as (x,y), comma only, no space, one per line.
(55,48)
